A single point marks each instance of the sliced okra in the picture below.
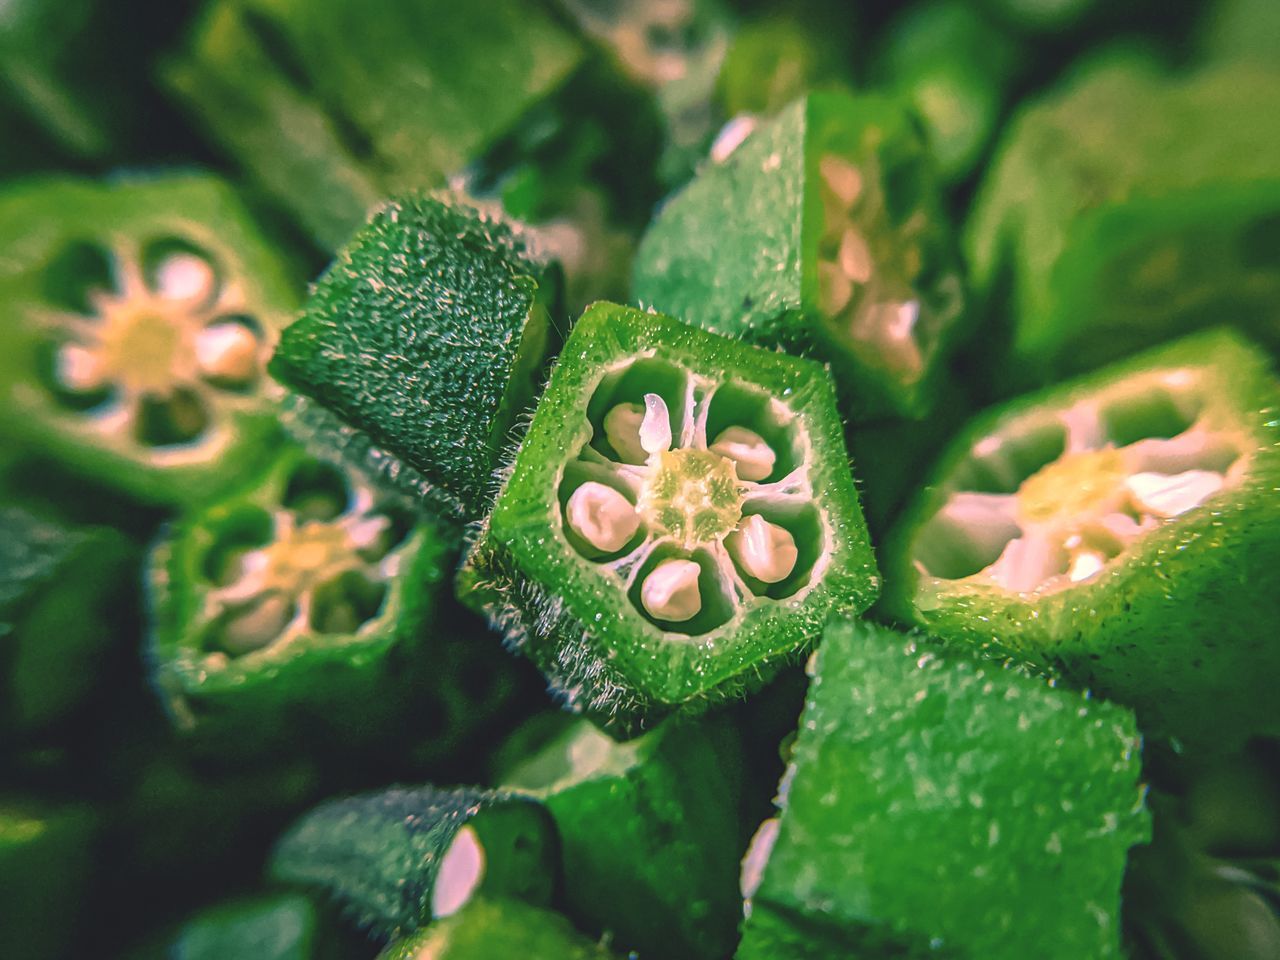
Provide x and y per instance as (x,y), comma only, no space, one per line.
(1090,528)
(1095,259)
(924,775)
(821,234)
(666,804)
(295,606)
(139,316)
(425,338)
(680,517)
(486,929)
(397,859)
(277,926)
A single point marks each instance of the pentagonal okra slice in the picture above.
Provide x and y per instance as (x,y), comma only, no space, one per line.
(925,775)
(424,340)
(397,859)
(680,517)
(298,605)
(821,234)
(138,319)
(1092,527)
(484,929)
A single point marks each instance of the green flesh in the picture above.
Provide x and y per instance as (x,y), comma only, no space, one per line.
(487,929)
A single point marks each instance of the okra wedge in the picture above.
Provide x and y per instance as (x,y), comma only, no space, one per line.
(488,929)
(821,234)
(680,518)
(938,804)
(398,859)
(1120,530)
(650,830)
(280,926)
(419,347)
(297,609)
(136,320)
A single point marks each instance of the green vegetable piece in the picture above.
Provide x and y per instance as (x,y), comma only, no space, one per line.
(821,234)
(1241,29)
(272,927)
(1120,530)
(297,610)
(397,859)
(1110,235)
(650,832)
(423,342)
(136,320)
(61,592)
(486,929)
(941,805)
(680,518)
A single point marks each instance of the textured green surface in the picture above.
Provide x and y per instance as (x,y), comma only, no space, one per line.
(277,927)
(942,805)
(575,620)
(1181,626)
(427,333)
(493,929)
(377,855)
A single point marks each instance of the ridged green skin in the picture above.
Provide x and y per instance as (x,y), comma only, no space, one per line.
(331,108)
(60,589)
(43,219)
(651,832)
(1128,208)
(942,805)
(493,929)
(377,854)
(1181,627)
(427,334)
(735,251)
(573,621)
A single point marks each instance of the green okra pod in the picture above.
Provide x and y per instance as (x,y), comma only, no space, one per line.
(487,929)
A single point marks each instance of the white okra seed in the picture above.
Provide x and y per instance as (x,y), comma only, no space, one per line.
(79,369)
(855,256)
(670,592)
(841,177)
(1170,496)
(461,871)
(184,276)
(764,550)
(227,351)
(622,430)
(601,516)
(753,458)
(257,626)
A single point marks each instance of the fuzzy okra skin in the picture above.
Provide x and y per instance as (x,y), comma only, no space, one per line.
(421,345)
(490,929)
(1108,234)
(680,518)
(397,859)
(137,318)
(938,804)
(1120,530)
(668,806)
(821,234)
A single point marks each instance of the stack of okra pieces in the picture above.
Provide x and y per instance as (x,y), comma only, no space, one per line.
(658,479)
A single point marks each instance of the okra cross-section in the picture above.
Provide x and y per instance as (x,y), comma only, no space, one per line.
(138,318)
(680,517)
(821,234)
(1094,529)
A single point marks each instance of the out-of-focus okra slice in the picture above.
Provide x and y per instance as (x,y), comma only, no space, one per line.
(1100,232)
(63,593)
(650,831)
(137,319)
(941,805)
(1241,29)
(397,859)
(420,347)
(488,929)
(280,926)
(821,234)
(680,518)
(296,609)
(1121,530)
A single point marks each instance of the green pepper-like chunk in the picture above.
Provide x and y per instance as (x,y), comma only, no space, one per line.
(1121,530)
(941,805)
(136,320)
(820,234)
(680,517)
(487,929)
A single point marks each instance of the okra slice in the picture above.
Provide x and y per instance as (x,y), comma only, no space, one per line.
(486,929)
(420,346)
(295,609)
(1093,529)
(138,316)
(679,520)
(939,804)
(62,592)
(397,859)
(281,926)
(1095,257)
(821,234)
(650,832)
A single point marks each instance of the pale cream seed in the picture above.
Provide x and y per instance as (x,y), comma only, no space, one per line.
(622,430)
(835,289)
(671,593)
(256,627)
(185,276)
(1171,496)
(764,551)
(79,369)
(753,458)
(855,256)
(228,352)
(841,177)
(601,516)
